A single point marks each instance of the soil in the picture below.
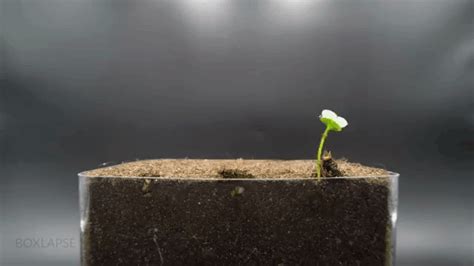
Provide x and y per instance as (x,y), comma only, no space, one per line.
(244,212)
(237,168)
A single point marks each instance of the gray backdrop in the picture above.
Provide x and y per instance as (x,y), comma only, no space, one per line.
(89,81)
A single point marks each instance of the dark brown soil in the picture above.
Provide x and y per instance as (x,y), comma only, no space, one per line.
(225,221)
(330,166)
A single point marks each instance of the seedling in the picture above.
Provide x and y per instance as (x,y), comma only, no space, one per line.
(333,122)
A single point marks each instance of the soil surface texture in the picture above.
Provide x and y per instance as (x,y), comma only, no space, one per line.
(237,168)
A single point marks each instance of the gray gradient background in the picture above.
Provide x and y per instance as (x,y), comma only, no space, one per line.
(90,81)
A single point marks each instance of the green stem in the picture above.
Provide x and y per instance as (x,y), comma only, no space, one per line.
(320,152)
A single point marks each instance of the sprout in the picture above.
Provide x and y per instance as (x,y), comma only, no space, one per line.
(333,122)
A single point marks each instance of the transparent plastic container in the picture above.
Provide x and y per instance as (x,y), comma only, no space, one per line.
(180,221)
